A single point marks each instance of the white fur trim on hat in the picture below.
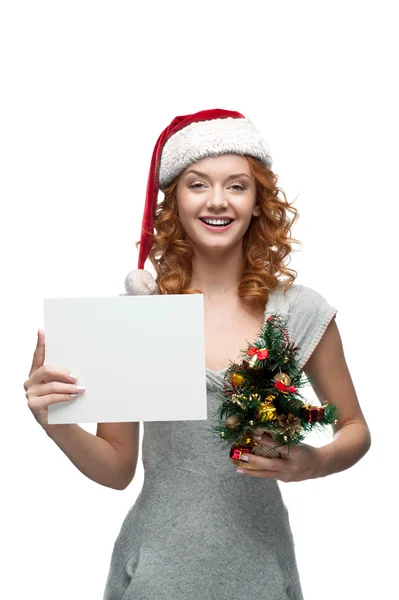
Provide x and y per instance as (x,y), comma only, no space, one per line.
(210,138)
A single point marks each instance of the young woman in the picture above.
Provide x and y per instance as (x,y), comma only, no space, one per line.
(222,230)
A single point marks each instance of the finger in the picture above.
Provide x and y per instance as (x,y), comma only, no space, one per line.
(45,401)
(260,473)
(39,353)
(264,437)
(261,462)
(56,387)
(48,373)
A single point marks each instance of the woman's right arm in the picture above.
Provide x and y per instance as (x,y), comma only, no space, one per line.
(109,457)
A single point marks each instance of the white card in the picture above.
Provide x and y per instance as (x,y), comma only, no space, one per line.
(141,358)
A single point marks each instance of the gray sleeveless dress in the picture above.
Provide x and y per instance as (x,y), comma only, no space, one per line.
(198,530)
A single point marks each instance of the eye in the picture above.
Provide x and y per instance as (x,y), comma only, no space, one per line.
(196,185)
(238,187)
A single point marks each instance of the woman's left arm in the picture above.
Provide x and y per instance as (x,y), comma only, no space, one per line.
(331,381)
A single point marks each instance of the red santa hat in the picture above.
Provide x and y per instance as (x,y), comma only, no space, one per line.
(187,140)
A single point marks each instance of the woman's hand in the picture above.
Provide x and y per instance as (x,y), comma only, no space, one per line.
(300,462)
(47,385)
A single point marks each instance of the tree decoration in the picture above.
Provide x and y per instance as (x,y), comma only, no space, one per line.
(233,422)
(237,379)
(261,394)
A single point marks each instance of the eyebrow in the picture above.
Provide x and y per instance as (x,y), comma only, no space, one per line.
(236,176)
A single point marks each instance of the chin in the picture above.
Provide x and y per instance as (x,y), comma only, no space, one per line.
(211,246)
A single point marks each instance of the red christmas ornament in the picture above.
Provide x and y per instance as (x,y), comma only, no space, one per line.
(284,388)
(261,353)
(236,451)
(313,413)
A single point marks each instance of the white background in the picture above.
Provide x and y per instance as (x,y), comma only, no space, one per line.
(86,89)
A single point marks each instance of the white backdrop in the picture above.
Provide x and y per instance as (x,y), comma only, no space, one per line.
(86,89)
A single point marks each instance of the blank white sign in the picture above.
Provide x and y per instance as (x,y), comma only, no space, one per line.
(141,358)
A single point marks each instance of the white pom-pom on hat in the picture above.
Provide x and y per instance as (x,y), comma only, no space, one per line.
(140,282)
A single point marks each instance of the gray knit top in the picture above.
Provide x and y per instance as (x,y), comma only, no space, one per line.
(196,521)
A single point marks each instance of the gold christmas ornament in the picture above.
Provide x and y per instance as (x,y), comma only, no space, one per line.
(252,361)
(246,439)
(269,398)
(237,379)
(267,412)
(238,398)
(233,422)
(283,377)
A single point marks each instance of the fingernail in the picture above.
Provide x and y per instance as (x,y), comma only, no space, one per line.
(257,438)
(239,471)
(244,457)
(72,376)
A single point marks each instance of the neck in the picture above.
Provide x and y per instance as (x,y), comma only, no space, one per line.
(218,275)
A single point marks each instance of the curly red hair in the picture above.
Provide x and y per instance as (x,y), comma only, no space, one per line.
(266,243)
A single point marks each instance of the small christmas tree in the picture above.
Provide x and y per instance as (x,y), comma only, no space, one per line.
(260,393)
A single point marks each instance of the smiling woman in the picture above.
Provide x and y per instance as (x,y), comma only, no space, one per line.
(223,230)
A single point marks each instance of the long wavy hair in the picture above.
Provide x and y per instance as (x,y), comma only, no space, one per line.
(266,243)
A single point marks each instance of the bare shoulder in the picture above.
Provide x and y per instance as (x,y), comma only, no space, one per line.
(331,379)
(124,437)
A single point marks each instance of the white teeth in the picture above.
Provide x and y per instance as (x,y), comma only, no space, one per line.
(217,221)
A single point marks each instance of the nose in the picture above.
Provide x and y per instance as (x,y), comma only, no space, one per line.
(217,198)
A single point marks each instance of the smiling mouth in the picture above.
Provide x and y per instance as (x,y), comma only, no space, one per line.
(217,223)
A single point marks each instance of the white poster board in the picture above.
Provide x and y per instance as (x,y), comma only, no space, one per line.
(141,358)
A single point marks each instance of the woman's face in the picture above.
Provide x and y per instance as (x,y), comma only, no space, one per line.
(216,199)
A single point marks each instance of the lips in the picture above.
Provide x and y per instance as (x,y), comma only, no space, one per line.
(217,228)
(213,218)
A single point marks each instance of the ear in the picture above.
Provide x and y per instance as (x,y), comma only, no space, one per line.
(256,211)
